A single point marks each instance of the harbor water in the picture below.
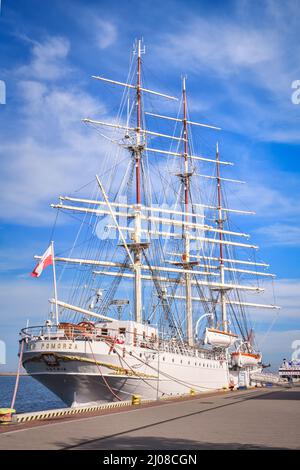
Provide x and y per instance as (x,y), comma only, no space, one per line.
(32,396)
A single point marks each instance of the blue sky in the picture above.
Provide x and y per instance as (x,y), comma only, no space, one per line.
(240,58)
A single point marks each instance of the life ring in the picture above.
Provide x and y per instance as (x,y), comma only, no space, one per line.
(120,339)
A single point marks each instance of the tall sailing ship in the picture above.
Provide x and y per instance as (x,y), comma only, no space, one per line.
(157,276)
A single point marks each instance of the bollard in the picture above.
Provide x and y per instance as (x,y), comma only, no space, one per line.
(6,415)
(136,400)
(192,392)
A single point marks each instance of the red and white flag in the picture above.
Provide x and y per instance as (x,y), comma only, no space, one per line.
(45,261)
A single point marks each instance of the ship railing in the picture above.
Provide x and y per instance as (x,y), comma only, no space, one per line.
(43,332)
(62,333)
(193,352)
(78,332)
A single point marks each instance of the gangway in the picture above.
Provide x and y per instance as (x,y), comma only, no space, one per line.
(262,378)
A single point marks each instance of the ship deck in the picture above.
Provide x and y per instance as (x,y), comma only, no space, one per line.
(262,418)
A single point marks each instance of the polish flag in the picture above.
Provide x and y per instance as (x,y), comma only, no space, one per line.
(45,261)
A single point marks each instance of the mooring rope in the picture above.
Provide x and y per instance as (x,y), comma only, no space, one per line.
(18,376)
(102,376)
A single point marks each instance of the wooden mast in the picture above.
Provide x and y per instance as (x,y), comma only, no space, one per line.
(137,151)
(138,127)
(186,181)
(220,223)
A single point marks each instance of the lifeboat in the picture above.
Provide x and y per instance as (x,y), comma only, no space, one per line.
(219,338)
(242,359)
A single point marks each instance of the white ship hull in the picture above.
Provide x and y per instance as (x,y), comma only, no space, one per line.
(85,372)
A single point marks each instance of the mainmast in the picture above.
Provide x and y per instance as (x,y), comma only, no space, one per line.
(137,150)
(186,235)
(220,222)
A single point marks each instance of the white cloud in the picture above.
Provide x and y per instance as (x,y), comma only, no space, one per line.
(284,293)
(24,299)
(53,152)
(269,192)
(276,346)
(106,33)
(251,60)
(49,157)
(280,234)
(287,293)
(218,45)
(98,28)
(48,60)
(12,259)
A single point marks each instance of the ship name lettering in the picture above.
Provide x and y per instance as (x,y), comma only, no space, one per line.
(56,345)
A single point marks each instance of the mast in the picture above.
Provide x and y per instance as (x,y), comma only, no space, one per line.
(138,149)
(137,154)
(220,223)
(186,181)
(54,283)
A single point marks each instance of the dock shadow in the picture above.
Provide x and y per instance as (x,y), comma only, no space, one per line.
(161,443)
(286,394)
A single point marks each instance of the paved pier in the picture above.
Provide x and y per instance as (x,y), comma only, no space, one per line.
(253,419)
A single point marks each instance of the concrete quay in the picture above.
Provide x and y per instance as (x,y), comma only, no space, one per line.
(266,418)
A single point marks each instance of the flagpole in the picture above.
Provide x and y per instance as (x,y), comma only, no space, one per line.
(54,282)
